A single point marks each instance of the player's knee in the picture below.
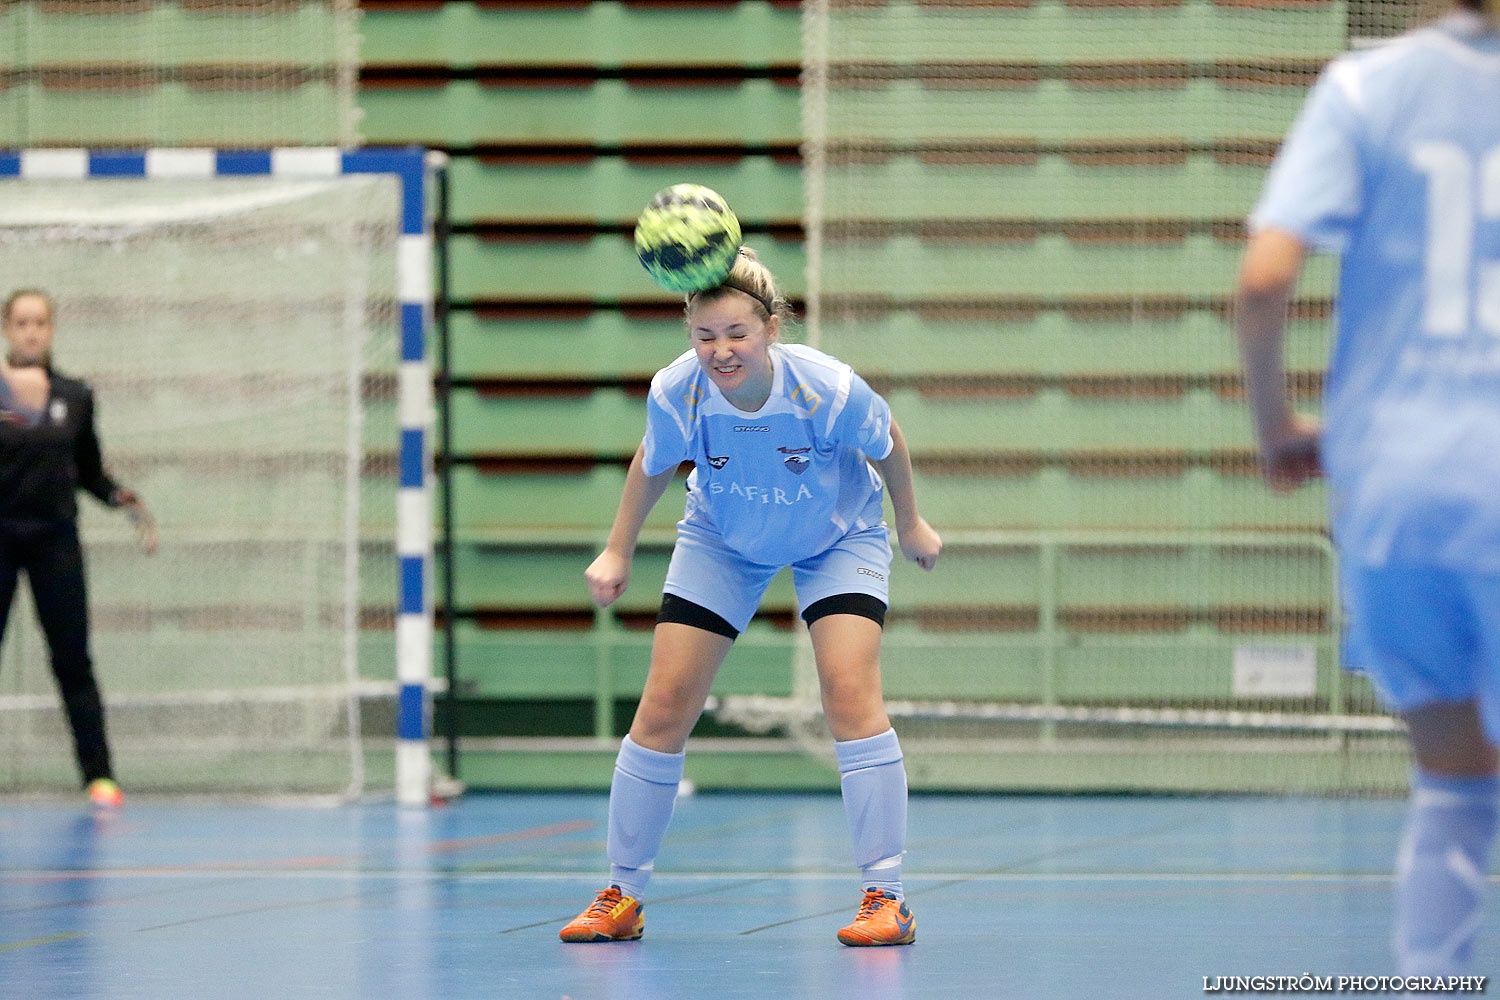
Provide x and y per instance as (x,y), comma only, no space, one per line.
(663,720)
(1466,759)
(841,692)
(853,713)
(1449,738)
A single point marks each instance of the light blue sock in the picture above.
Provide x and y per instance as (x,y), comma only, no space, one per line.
(874,784)
(641,797)
(1441,872)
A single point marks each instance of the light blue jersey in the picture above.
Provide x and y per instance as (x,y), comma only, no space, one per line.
(1395,163)
(784,483)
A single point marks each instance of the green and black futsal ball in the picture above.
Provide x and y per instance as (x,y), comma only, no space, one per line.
(687,238)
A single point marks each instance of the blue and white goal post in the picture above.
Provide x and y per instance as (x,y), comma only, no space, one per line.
(414,171)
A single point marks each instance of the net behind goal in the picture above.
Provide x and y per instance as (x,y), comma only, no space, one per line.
(240,334)
(1024,226)
(141,73)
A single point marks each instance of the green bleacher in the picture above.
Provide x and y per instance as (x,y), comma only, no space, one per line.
(1050,184)
(578,185)
(464,112)
(174,113)
(1057,31)
(113,73)
(604,35)
(53,36)
(605,344)
(600,267)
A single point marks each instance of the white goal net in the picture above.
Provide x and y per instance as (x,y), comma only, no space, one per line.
(1024,225)
(239,335)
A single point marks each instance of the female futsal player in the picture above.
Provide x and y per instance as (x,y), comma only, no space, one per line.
(48,451)
(782,439)
(1395,162)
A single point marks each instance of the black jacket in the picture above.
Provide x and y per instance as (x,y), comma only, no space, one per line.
(43,467)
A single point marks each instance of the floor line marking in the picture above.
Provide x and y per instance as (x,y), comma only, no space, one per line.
(945,877)
(333,862)
(34,942)
(595,848)
(535,833)
(112,901)
(225,914)
(1061,852)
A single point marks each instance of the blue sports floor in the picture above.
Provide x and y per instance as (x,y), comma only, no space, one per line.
(1014,897)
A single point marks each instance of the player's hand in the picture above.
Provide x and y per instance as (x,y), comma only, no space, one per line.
(607,577)
(145,526)
(140,519)
(1289,453)
(921,544)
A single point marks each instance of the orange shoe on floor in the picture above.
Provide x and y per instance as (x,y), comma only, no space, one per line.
(611,917)
(882,919)
(105,793)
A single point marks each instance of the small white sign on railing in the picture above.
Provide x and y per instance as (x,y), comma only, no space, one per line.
(1265,670)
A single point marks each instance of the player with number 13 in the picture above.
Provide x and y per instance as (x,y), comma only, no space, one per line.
(1395,164)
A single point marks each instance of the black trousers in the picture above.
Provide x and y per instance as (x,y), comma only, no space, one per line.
(50,554)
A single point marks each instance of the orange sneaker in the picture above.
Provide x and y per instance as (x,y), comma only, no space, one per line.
(105,793)
(611,917)
(882,919)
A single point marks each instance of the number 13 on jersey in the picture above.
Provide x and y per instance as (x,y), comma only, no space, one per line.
(1460,193)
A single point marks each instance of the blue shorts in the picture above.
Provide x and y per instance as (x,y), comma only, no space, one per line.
(1427,634)
(709,573)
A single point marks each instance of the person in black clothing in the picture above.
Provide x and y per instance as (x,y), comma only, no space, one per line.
(48,451)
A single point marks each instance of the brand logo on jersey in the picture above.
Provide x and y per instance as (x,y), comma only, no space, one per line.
(797,463)
(751,429)
(794,451)
(807,397)
(58,411)
(718,461)
(870,572)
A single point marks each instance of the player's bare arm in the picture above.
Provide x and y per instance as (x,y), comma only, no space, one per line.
(1268,277)
(919,542)
(609,574)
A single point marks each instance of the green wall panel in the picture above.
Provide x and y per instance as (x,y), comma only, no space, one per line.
(598,267)
(1058,31)
(599,34)
(612,189)
(466,112)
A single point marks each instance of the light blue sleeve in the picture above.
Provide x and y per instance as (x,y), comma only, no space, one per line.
(666,438)
(866,421)
(1315,187)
